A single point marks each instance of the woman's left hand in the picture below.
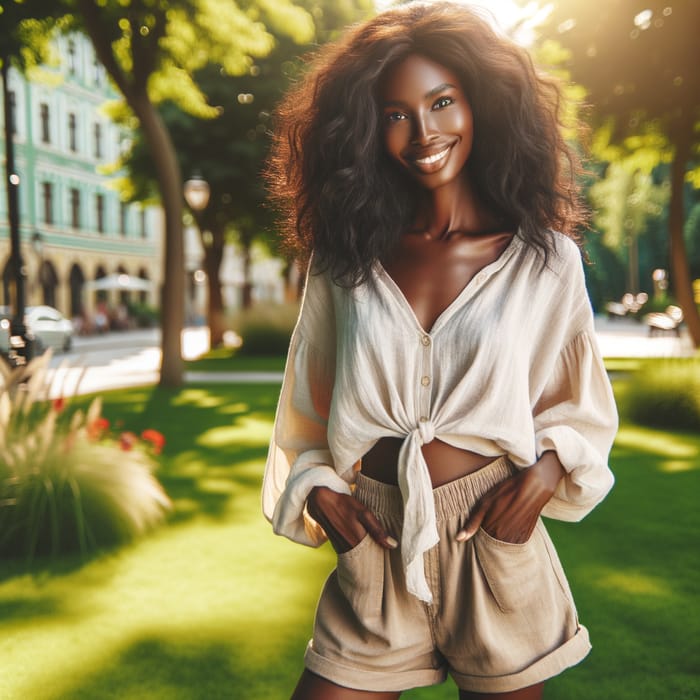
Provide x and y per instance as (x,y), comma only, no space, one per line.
(510,510)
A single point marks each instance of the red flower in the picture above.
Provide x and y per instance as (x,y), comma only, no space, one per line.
(59,404)
(155,438)
(127,440)
(96,429)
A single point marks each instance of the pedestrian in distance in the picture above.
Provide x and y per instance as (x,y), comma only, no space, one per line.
(443,388)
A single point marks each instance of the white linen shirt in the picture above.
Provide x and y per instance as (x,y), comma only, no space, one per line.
(510,367)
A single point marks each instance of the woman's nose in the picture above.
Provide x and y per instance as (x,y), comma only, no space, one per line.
(423,130)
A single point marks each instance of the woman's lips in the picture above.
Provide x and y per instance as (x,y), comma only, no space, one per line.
(432,162)
(434,158)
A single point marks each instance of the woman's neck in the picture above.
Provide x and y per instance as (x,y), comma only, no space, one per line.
(452,209)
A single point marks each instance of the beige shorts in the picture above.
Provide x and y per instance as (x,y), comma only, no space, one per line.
(502,616)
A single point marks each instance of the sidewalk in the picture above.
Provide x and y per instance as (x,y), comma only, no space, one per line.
(627,337)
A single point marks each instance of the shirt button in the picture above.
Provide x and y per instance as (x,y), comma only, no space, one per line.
(425,381)
(424,419)
(425,340)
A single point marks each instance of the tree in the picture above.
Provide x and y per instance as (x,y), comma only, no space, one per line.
(230,149)
(638,59)
(151,50)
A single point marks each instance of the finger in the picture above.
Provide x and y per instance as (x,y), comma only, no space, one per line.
(474,521)
(376,530)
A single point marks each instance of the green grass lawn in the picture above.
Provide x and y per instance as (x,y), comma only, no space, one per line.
(213,605)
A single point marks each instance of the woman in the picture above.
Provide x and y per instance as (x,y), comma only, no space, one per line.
(443,387)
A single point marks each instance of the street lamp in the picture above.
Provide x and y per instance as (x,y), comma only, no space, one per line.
(197,192)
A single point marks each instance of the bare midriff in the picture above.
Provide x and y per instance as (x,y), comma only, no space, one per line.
(445,462)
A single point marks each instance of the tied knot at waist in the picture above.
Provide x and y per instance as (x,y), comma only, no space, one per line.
(425,431)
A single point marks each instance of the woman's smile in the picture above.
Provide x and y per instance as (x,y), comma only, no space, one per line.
(432,162)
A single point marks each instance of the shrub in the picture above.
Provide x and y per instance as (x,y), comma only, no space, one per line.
(666,394)
(144,315)
(265,329)
(66,484)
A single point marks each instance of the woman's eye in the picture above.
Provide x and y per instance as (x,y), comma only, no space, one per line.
(443,102)
(394,116)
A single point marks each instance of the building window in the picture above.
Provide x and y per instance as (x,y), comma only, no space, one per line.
(47,196)
(72,136)
(75,207)
(98,140)
(143,223)
(96,71)
(122,218)
(45,123)
(100,210)
(13,111)
(72,62)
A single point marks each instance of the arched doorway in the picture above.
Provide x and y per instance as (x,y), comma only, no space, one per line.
(101,309)
(48,279)
(76,280)
(124,295)
(143,275)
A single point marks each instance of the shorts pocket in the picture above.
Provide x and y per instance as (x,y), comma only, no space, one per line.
(516,574)
(360,577)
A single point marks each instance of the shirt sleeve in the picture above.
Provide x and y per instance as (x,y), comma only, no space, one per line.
(299,457)
(576,415)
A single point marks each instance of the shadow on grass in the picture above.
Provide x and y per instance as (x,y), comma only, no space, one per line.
(213,435)
(178,670)
(41,567)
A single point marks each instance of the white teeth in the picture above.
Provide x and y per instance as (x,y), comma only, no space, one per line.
(432,159)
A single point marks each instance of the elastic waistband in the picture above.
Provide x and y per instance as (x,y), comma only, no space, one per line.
(452,498)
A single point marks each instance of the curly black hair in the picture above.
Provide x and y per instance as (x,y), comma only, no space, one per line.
(340,195)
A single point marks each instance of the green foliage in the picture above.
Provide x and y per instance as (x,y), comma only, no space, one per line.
(65,486)
(666,394)
(624,200)
(145,315)
(265,330)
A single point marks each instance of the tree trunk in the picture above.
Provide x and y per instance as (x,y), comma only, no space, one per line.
(213,255)
(682,283)
(169,182)
(170,186)
(246,240)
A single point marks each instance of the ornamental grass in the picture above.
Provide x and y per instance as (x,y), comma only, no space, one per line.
(67,483)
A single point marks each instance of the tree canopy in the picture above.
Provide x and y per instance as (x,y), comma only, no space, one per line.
(638,60)
(151,49)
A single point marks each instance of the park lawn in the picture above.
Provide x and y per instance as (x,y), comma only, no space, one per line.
(215,606)
(227,360)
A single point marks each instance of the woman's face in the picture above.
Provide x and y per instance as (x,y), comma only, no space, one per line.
(427,119)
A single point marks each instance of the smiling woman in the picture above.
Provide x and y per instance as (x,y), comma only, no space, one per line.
(443,387)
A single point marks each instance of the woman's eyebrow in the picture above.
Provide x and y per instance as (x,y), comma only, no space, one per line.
(431,93)
(440,88)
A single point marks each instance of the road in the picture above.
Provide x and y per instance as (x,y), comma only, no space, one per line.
(132,358)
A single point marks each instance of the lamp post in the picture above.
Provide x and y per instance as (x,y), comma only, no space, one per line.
(20,350)
(197,192)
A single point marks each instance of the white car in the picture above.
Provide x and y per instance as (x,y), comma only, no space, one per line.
(50,328)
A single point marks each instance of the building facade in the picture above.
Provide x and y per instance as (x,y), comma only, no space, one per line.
(74,229)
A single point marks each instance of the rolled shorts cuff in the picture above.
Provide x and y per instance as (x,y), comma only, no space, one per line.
(563,657)
(363,679)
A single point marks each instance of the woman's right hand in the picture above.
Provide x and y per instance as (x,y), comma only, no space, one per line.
(345,520)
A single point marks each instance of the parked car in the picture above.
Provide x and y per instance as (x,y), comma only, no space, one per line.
(46,328)
(50,328)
